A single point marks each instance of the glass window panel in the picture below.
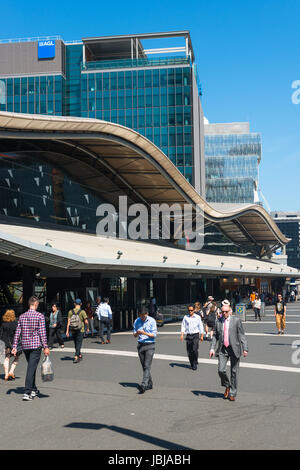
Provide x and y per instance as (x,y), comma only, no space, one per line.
(163,80)
(141,118)
(171,77)
(43,85)
(105,81)
(141,98)
(31,86)
(113,81)
(99,82)
(148,78)
(91,82)
(186,76)
(148,97)
(149,133)
(16,86)
(179,135)
(187,115)
(179,115)
(164,116)
(9,87)
(149,121)
(141,79)
(156,116)
(24,86)
(171,96)
(155,78)
(164,136)
(50,85)
(171,116)
(179,100)
(178,77)
(128,80)
(121,83)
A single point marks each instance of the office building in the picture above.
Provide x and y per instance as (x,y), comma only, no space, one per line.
(232,157)
(289,224)
(153,91)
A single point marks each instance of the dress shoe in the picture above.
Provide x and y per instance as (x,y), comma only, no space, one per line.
(11,376)
(232,398)
(141,388)
(226,394)
(149,387)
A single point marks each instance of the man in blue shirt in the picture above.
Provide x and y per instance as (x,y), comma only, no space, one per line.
(146,330)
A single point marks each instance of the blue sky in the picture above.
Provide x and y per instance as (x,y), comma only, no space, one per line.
(247,54)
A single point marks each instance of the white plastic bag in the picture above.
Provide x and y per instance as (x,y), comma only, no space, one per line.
(47,370)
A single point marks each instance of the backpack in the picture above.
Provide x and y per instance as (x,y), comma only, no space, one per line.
(75,321)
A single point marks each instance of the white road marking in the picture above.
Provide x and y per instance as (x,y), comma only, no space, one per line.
(160,333)
(165,357)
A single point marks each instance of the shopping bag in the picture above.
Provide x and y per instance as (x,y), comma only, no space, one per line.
(47,370)
(2,352)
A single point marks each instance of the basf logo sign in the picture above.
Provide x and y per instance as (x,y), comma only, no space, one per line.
(46,49)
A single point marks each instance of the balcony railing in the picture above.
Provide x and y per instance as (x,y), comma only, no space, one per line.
(133,63)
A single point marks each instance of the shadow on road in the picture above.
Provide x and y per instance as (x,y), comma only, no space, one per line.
(208,394)
(129,384)
(185,366)
(20,391)
(129,432)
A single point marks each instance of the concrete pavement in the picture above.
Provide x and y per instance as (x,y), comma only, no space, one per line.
(96,404)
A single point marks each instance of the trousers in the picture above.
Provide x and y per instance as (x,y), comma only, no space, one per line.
(52,333)
(146,353)
(224,355)
(32,357)
(192,347)
(78,338)
(105,322)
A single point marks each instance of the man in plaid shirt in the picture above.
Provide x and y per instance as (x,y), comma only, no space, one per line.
(31,327)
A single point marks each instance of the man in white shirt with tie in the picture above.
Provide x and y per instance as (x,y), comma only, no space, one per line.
(229,332)
(193,327)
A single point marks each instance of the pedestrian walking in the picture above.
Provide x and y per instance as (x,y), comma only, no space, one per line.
(211,317)
(257,307)
(198,309)
(232,344)
(205,310)
(280,314)
(55,325)
(31,328)
(145,329)
(90,317)
(193,327)
(7,333)
(77,319)
(95,315)
(105,318)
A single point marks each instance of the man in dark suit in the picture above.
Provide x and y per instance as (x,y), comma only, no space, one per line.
(232,344)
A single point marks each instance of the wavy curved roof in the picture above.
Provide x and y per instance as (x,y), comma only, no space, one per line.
(125,160)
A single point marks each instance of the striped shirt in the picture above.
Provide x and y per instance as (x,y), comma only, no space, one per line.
(31,327)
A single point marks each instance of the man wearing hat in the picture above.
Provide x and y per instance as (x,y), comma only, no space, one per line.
(145,329)
(77,318)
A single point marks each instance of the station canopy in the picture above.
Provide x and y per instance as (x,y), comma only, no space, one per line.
(114,160)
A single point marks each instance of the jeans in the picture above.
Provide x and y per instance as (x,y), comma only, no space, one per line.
(192,347)
(78,338)
(32,357)
(257,313)
(146,353)
(105,322)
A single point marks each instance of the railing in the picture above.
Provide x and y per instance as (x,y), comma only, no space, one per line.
(38,38)
(131,63)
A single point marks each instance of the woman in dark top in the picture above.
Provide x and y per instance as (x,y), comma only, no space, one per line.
(7,333)
(55,325)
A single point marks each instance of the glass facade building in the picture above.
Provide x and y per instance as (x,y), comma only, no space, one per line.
(289,224)
(232,162)
(114,81)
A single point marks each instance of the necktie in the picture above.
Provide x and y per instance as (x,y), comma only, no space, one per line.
(226,335)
